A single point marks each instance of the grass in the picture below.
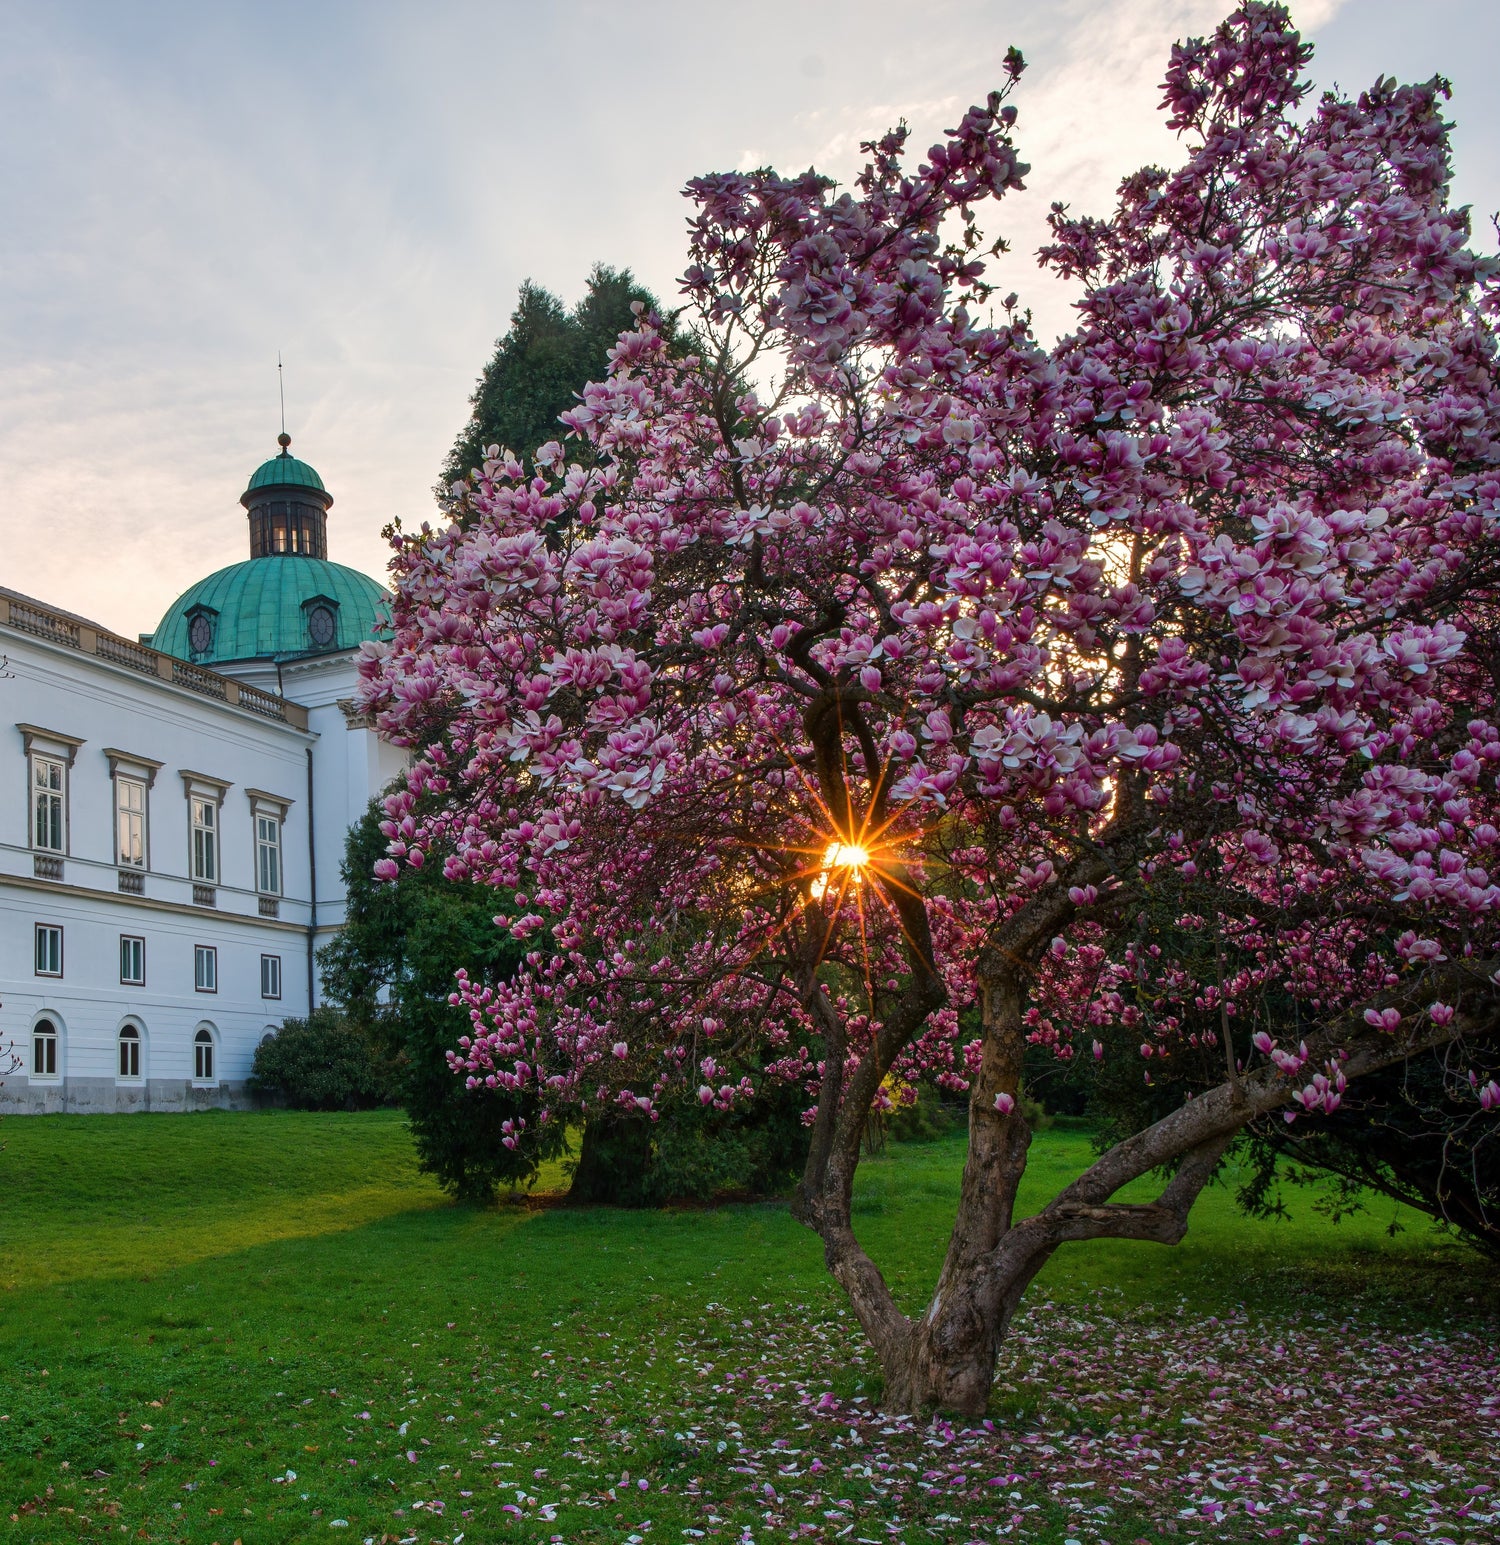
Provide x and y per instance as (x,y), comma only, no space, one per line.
(268,1327)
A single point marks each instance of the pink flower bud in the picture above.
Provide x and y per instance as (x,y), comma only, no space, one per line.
(1005,1103)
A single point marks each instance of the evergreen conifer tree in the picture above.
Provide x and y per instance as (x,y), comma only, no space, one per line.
(541,365)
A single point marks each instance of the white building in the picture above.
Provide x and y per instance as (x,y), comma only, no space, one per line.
(173,814)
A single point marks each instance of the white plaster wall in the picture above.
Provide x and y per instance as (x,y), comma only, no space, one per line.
(89,1004)
(351,765)
(77,695)
(81,696)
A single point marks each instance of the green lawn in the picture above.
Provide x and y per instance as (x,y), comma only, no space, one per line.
(269,1327)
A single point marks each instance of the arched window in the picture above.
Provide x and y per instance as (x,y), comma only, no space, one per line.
(130,1052)
(44,1049)
(203,1056)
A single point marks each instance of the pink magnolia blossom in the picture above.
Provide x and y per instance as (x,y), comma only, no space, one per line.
(820,678)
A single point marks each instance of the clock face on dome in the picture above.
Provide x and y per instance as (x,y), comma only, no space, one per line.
(321,627)
(200,634)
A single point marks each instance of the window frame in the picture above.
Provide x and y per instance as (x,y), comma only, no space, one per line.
(271,808)
(38,1037)
(209,616)
(204,1040)
(40,930)
(130,1035)
(202,788)
(137,816)
(139,940)
(203,826)
(126,768)
(268,848)
(206,954)
(55,797)
(270,968)
(58,749)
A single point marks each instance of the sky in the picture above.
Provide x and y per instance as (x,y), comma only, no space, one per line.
(189,189)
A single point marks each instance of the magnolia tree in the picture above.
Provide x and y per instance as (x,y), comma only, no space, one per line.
(856,696)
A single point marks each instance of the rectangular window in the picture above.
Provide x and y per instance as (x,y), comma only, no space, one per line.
(49,785)
(132,960)
(270,976)
(49,956)
(268,855)
(130,822)
(205,968)
(205,840)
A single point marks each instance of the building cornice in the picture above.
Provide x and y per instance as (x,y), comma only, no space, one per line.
(31,733)
(148,903)
(65,631)
(264,796)
(129,760)
(192,781)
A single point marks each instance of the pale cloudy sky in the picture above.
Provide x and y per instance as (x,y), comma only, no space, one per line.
(363,184)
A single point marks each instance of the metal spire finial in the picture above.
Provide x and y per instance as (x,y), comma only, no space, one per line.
(283,439)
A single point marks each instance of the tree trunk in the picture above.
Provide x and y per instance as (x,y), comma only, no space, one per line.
(946,1359)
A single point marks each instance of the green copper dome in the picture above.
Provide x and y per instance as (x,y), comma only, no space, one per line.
(283,605)
(285,471)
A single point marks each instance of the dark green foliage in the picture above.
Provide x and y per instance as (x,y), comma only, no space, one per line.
(1413,1132)
(692,1154)
(928,1118)
(541,365)
(391,971)
(323,1062)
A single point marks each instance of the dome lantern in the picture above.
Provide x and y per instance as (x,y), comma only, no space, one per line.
(286,601)
(288,507)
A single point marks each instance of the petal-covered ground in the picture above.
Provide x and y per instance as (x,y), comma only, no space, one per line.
(442,1375)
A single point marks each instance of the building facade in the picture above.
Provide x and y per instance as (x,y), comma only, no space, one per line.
(173,813)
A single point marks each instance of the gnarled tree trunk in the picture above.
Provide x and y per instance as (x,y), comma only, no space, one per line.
(946,1358)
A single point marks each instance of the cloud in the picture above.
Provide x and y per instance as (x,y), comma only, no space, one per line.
(180,205)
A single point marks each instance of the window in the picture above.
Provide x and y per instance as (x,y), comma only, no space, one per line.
(49,804)
(321,626)
(201,628)
(205,968)
(49,956)
(205,815)
(130,821)
(268,855)
(203,1056)
(130,1052)
(132,960)
(44,1049)
(270,976)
